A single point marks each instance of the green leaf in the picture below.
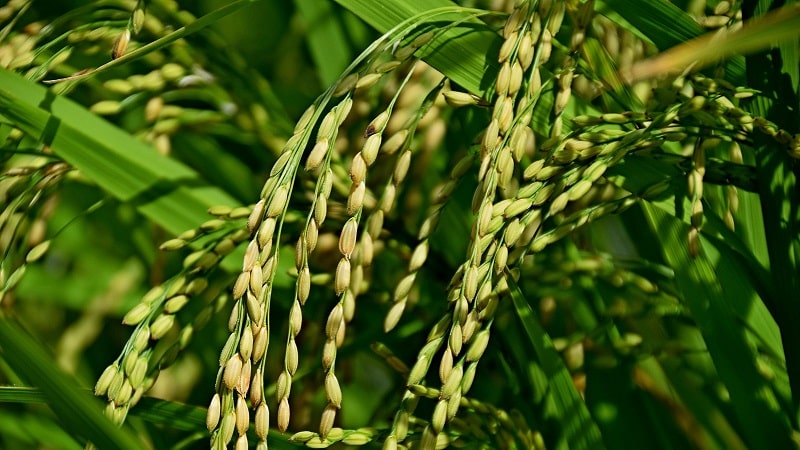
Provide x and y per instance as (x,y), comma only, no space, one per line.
(776,73)
(708,297)
(162,189)
(79,411)
(650,19)
(565,403)
(779,26)
(327,39)
(179,416)
(465,53)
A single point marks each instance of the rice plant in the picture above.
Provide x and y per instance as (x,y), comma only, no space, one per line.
(400,224)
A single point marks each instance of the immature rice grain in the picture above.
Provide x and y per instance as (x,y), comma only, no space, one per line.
(347,239)
(456,340)
(370,149)
(439,416)
(458,99)
(507,47)
(254,309)
(332,390)
(401,169)
(283,415)
(260,343)
(356,198)
(257,388)
(241,443)
(334,321)
(453,382)
(137,314)
(317,154)
(394,315)
(242,416)
(390,443)
(213,413)
(342,279)
(328,354)
(345,85)
(161,326)
(278,201)
(326,422)
(233,369)
(446,365)
(292,357)
(395,142)
(262,421)
(121,44)
(367,81)
(418,371)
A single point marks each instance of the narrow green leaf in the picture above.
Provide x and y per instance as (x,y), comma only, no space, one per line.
(752,398)
(650,18)
(33,429)
(763,32)
(327,40)
(179,416)
(197,25)
(79,411)
(774,74)
(568,408)
(163,189)
(465,53)
(749,292)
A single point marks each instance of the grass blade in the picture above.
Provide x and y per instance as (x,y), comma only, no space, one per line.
(79,411)
(327,40)
(707,296)
(568,408)
(163,189)
(762,32)
(779,199)
(179,416)
(649,19)
(464,53)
